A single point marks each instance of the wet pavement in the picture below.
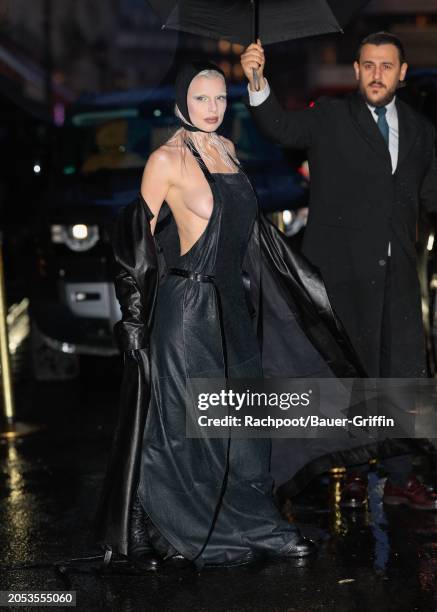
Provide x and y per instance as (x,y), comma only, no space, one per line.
(373,559)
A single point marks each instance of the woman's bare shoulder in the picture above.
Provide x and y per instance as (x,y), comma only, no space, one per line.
(228,144)
(165,154)
(164,160)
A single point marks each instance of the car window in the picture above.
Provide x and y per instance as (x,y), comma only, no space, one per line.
(249,142)
(124,138)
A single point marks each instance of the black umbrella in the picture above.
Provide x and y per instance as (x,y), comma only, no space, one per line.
(243,21)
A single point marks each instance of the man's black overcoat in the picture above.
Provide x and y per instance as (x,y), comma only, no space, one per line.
(357,206)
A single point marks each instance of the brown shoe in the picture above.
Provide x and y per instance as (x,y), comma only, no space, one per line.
(414,494)
(354,492)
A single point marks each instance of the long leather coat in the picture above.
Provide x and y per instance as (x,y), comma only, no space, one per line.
(298,331)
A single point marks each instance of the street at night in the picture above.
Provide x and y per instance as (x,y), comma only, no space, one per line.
(370,559)
(202,201)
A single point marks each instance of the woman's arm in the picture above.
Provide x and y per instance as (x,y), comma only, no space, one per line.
(157,180)
(132,331)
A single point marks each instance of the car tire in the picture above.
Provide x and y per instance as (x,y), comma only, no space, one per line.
(49,364)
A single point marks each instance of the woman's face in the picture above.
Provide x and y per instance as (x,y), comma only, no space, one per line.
(206,102)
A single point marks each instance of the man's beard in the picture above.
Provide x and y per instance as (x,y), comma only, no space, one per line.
(389,95)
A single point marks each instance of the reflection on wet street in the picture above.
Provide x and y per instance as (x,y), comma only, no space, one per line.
(376,558)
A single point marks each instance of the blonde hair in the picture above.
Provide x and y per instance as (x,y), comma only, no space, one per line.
(182,136)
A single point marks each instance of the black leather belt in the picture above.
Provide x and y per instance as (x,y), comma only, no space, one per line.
(195,276)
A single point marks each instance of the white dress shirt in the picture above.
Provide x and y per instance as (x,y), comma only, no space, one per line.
(393,127)
(393,136)
(258,97)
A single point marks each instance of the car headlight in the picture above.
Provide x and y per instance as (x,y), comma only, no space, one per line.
(78,237)
(287,217)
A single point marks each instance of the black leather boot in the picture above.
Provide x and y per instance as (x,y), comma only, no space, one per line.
(298,546)
(168,553)
(141,550)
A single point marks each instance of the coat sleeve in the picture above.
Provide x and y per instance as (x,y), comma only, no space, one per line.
(135,255)
(131,331)
(295,129)
(428,191)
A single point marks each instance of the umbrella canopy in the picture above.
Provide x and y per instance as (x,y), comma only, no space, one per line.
(276,20)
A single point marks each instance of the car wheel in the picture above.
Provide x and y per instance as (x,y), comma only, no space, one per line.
(49,364)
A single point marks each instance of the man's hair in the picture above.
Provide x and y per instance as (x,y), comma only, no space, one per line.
(383,38)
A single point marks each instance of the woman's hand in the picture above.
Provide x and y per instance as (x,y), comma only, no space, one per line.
(253,59)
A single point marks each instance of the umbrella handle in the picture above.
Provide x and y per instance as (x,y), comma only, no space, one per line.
(255,79)
(255,8)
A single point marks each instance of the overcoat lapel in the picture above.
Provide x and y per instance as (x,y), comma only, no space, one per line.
(368,128)
(408,130)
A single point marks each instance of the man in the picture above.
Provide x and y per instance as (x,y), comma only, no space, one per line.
(372,163)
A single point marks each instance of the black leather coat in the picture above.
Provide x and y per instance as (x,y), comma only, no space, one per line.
(278,281)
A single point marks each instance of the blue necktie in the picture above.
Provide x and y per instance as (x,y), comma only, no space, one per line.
(381,112)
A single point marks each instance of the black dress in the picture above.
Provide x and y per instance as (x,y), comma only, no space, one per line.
(211,499)
(176,326)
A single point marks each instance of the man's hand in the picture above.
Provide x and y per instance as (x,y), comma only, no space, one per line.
(253,58)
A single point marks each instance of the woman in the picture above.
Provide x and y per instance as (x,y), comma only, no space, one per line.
(183,251)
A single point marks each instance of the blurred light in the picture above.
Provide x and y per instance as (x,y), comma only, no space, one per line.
(16,514)
(18,324)
(304,170)
(69,170)
(59,114)
(81,237)
(422,21)
(224,46)
(41,265)
(79,231)
(237,71)
(311,104)
(57,233)
(329,54)
(337,470)
(226,67)
(237,49)
(287,216)
(37,168)
(157,112)
(430,244)
(86,119)
(78,237)
(68,348)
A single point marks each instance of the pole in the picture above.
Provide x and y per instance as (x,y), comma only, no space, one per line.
(7,390)
(11,429)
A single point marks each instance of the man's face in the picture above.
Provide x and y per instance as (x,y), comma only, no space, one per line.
(378,73)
